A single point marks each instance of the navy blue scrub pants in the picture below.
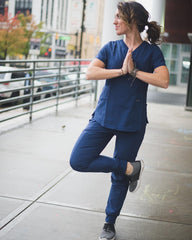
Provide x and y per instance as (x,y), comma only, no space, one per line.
(86,157)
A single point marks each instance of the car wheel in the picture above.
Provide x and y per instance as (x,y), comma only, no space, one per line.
(38,97)
(48,95)
(14,94)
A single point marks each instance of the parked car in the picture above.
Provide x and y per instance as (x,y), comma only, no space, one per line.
(37,89)
(46,78)
(10,85)
(81,80)
(14,86)
(50,76)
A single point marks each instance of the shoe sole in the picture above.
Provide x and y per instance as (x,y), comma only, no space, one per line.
(139,180)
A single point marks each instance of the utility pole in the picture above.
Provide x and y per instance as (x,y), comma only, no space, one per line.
(189,85)
(82,27)
(76,42)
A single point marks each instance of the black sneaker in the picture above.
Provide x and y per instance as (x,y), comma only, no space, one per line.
(108,232)
(135,176)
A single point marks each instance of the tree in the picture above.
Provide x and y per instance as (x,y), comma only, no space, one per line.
(16,32)
(31,29)
(11,35)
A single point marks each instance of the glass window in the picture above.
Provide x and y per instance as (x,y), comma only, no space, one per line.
(65,15)
(173,66)
(177,57)
(166,50)
(42,2)
(167,62)
(1,3)
(173,79)
(52,7)
(63,43)
(186,48)
(57,22)
(174,50)
(185,69)
(62,16)
(47,9)
(21,3)
(30,3)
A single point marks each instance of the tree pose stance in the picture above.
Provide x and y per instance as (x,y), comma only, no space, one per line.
(128,66)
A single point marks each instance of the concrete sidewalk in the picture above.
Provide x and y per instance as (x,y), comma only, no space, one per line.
(42,198)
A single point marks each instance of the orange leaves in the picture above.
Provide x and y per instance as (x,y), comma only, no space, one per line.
(15,33)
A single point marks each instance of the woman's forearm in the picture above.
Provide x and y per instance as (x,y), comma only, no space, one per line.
(98,73)
(158,78)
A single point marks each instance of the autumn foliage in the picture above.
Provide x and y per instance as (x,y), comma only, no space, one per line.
(15,34)
(31,30)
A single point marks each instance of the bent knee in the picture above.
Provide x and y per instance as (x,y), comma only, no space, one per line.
(73,164)
(76,165)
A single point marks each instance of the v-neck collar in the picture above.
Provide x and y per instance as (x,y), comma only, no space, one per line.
(135,50)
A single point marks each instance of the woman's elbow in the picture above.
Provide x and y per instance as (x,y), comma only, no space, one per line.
(88,75)
(166,79)
(166,86)
(166,83)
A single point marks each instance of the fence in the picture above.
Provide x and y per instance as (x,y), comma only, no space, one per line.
(34,85)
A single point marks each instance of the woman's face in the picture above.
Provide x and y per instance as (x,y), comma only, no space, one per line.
(121,26)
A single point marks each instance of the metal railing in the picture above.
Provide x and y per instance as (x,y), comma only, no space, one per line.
(35,85)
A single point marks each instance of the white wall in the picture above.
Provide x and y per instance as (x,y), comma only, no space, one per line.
(108,26)
(36,10)
(156,9)
(11,8)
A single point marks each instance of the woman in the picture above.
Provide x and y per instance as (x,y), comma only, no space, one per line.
(129,65)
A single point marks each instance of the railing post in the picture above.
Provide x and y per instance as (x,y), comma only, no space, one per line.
(96,89)
(58,83)
(32,92)
(77,82)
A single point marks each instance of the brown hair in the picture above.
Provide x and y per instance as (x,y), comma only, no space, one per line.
(134,12)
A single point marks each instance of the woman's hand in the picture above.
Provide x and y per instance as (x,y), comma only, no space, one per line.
(128,63)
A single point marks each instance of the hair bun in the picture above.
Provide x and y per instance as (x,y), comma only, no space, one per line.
(148,24)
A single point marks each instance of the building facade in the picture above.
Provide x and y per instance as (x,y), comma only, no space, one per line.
(177,46)
(62,21)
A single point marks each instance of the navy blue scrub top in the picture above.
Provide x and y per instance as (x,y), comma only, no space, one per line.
(122,103)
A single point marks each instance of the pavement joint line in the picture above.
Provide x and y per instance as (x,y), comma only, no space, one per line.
(21,209)
(28,203)
(186,174)
(153,219)
(167,145)
(86,209)
(14,214)
(17,220)
(15,198)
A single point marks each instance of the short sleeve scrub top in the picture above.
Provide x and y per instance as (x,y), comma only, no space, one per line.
(122,103)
